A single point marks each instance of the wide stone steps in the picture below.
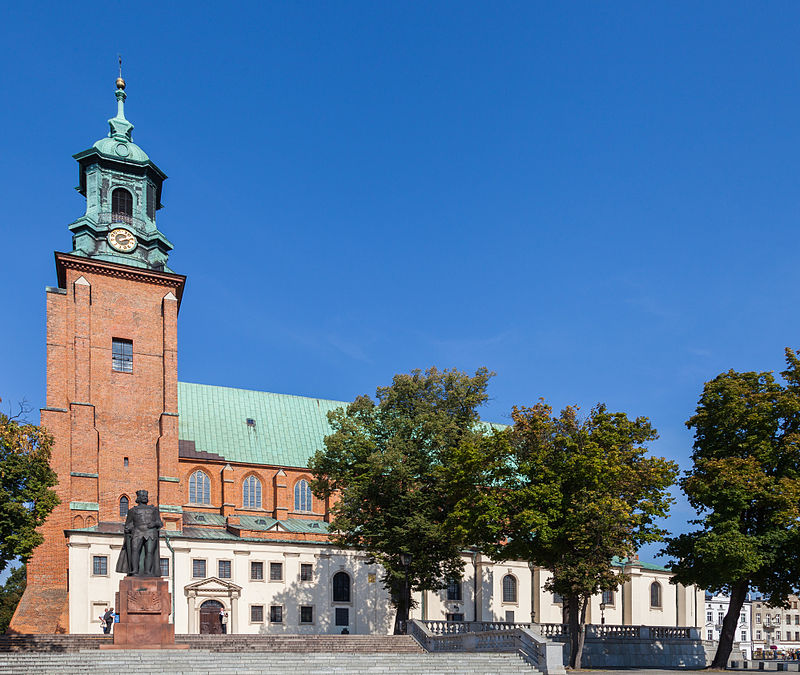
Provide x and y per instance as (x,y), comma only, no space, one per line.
(353,644)
(358,644)
(202,662)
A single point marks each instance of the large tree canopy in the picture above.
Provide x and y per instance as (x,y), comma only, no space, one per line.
(745,486)
(563,493)
(25,481)
(384,463)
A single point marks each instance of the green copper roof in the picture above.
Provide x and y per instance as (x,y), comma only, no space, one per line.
(119,144)
(285,430)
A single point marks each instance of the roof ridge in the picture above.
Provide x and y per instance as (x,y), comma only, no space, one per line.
(268,393)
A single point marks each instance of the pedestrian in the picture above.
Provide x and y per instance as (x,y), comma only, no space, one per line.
(107,619)
(223,620)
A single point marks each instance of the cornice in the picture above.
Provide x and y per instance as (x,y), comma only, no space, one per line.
(66,261)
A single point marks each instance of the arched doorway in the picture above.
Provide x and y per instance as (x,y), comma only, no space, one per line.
(209,617)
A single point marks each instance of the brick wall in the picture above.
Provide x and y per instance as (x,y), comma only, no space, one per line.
(100,417)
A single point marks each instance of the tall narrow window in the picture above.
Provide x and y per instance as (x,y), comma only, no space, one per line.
(252,493)
(454,589)
(122,355)
(123,506)
(341,587)
(608,597)
(151,201)
(199,488)
(121,206)
(509,588)
(302,496)
(655,594)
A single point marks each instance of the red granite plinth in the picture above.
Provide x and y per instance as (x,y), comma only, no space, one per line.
(143,604)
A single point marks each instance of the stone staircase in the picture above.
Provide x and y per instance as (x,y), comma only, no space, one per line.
(306,644)
(202,662)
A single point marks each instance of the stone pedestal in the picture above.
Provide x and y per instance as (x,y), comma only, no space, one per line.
(144,606)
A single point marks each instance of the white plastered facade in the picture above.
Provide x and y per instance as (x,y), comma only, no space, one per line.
(480,598)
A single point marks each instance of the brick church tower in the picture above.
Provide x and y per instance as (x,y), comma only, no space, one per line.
(112,378)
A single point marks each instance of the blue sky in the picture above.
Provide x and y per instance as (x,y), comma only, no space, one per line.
(595,200)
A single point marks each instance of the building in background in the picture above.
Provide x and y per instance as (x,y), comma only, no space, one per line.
(777,627)
(226,467)
(716,607)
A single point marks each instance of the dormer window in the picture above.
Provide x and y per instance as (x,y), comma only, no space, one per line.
(121,206)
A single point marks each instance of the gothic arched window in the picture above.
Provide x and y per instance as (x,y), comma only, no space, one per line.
(121,205)
(341,587)
(123,506)
(509,588)
(199,488)
(252,493)
(302,496)
(655,594)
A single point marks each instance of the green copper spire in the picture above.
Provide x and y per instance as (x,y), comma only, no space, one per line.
(122,187)
(119,142)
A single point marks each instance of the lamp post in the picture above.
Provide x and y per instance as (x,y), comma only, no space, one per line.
(405,561)
(602,614)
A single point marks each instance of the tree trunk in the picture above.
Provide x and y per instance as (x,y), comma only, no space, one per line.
(575,632)
(729,624)
(403,607)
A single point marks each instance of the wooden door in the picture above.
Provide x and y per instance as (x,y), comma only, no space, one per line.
(209,618)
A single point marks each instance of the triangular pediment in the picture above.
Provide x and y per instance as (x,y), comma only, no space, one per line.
(213,585)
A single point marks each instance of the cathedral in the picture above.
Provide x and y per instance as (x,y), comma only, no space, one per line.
(226,467)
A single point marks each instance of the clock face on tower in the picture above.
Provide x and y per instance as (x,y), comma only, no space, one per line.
(121,240)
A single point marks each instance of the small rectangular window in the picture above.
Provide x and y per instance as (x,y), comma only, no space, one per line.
(164,562)
(256,613)
(224,569)
(276,571)
(758,618)
(454,616)
(509,616)
(342,616)
(306,614)
(122,355)
(100,565)
(710,634)
(199,569)
(608,598)
(744,636)
(276,614)
(306,572)
(257,571)
(758,635)
(557,599)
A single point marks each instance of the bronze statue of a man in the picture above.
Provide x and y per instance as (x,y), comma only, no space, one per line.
(139,555)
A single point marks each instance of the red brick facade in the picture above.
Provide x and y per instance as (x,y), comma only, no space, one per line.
(117,432)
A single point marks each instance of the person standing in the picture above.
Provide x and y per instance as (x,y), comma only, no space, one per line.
(108,620)
(223,620)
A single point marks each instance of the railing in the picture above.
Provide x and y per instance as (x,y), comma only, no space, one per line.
(451,627)
(551,631)
(491,636)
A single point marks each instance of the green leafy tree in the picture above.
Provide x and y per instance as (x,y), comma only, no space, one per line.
(10,595)
(566,494)
(384,466)
(744,484)
(26,479)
